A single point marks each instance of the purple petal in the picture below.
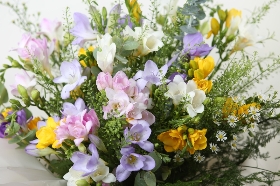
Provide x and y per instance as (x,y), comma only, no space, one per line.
(65,93)
(141,83)
(121,173)
(149,163)
(146,145)
(148,117)
(80,104)
(127,150)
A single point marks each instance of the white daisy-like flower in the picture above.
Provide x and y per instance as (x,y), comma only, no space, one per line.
(254,111)
(177,158)
(234,137)
(199,158)
(232,120)
(253,126)
(221,136)
(215,120)
(233,145)
(214,147)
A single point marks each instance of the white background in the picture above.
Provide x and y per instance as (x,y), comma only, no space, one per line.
(10,35)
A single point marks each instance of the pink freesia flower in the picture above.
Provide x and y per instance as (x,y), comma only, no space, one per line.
(35,49)
(25,80)
(118,103)
(104,80)
(77,127)
(120,81)
(51,28)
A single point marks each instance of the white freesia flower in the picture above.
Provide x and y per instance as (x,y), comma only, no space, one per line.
(105,57)
(176,89)
(102,174)
(248,36)
(73,176)
(195,98)
(149,40)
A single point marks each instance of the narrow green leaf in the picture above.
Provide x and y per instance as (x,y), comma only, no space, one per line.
(15,139)
(121,59)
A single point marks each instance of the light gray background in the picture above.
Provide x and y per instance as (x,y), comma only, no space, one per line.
(10,35)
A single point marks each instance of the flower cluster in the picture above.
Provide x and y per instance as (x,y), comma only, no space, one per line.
(139,102)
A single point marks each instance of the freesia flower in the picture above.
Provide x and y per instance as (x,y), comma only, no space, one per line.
(104,80)
(120,81)
(205,67)
(198,140)
(25,80)
(118,104)
(149,40)
(51,28)
(31,48)
(150,74)
(102,174)
(21,118)
(233,21)
(131,161)
(73,109)
(82,30)
(105,57)
(139,134)
(194,45)
(32,150)
(3,126)
(248,36)
(32,124)
(70,74)
(195,98)
(46,134)
(172,76)
(177,89)
(172,140)
(73,176)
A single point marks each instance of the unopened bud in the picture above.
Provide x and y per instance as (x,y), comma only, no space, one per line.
(82,148)
(190,73)
(230,38)
(182,129)
(22,91)
(82,183)
(191,130)
(6,66)
(222,15)
(193,64)
(35,94)
(185,137)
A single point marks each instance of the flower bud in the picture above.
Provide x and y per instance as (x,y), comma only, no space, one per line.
(6,66)
(182,129)
(230,38)
(35,94)
(185,136)
(215,26)
(222,15)
(193,64)
(82,183)
(22,91)
(82,148)
(190,73)
(191,130)
(104,15)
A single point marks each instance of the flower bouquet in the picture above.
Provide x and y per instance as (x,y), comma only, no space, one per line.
(136,99)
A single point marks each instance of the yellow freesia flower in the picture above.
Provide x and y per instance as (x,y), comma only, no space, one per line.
(46,134)
(198,140)
(205,67)
(215,27)
(33,123)
(233,20)
(172,139)
(203,84)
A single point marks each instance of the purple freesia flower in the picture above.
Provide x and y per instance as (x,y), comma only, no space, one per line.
(194,45)
(131,161)
(84,162)
(150,74)
(82,30)
(139,134)
(21,117)
(73,109)
(70,74)
(171,77)
(126,20)
(3,126)
(32,150)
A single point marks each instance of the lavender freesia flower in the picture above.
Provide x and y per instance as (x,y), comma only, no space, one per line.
(70,74)
(82,30)
(74,109)
(84,162)
(33,151)
(21,117)
(150,74)
(194,45)
(139,134)
(131,161)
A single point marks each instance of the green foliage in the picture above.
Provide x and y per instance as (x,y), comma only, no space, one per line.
(3,94)
(60,167)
